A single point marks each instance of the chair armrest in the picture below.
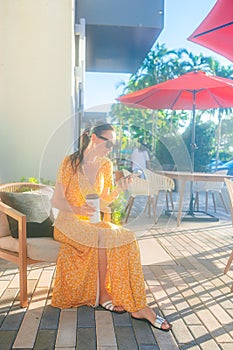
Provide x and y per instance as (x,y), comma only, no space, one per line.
(21,219)
(15,214)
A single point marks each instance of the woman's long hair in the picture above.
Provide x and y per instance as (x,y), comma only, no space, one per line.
(77,157)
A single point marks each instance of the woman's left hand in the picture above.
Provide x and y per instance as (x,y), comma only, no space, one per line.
(123,183)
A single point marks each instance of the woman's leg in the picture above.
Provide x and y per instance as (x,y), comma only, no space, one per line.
(145,313)
(131,254)
(104,295)
(102,275)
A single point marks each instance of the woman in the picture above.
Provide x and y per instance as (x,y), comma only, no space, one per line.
(98,264)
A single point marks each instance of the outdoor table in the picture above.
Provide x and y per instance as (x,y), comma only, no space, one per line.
(183,177)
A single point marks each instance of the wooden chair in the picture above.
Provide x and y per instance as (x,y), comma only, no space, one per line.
(25,251)
(229,185)
(17,250)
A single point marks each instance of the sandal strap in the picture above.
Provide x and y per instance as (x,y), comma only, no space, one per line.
(108,305)
(159,321)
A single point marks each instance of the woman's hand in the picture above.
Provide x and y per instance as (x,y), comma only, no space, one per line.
(123,183)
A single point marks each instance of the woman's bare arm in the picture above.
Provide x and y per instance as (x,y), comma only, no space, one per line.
(60,202)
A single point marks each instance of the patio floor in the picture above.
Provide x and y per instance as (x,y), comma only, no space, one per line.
(184,278)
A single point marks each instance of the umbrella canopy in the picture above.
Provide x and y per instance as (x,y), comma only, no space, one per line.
(195,89)
(191,91)
(216,30)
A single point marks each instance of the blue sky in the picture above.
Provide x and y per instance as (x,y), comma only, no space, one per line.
(181,18)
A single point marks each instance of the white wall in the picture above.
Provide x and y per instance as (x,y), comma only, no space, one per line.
(36,39)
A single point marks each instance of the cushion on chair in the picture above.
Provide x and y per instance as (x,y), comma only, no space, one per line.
(36,207)
(4,225)
(42,249)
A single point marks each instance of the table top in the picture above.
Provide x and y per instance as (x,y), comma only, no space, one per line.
(196,176)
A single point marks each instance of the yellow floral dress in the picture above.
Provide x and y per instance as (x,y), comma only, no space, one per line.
(76,280)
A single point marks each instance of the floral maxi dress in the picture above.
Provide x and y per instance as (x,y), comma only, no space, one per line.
(76,281)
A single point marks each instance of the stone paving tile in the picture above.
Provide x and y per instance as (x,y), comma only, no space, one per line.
(105,329)
(143,333)
(7,339)
(107,348)
(86,317)
(189,346)
(182,333)
(45,340)
(29,327)
(50,318)
(122,320)
(3,285)
(86,338)
(165,341)
(13,319)
(3,314)
(200,334)
(67,328)
(126,339)
(209,345)
(7,298)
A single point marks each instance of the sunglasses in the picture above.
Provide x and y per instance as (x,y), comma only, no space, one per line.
(109,143)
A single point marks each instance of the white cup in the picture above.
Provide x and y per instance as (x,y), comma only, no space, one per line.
(94,201)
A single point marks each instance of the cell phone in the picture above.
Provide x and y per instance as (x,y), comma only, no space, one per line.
(131,176)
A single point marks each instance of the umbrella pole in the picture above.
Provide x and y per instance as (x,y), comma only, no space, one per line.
(193,147)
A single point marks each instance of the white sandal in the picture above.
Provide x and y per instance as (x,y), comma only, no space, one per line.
(108,305)
(159,321)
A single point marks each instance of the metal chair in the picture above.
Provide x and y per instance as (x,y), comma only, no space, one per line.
(209,187)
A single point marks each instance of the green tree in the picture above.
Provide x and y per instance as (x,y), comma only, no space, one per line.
(225,72)
(205,138)
(225,153)
(188,62)
(161,65)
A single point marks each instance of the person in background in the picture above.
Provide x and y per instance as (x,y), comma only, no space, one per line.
(98,263)
(140,159)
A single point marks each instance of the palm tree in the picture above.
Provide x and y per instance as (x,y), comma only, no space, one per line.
(189,62)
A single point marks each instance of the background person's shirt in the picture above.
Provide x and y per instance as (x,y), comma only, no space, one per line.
(139,159)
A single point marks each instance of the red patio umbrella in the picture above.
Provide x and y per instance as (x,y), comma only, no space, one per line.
(191,91)
(216,30)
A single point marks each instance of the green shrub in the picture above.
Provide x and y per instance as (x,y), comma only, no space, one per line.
(118,209)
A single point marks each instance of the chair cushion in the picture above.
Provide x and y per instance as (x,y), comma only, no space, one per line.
(42,249)
(36,207)
(4,225)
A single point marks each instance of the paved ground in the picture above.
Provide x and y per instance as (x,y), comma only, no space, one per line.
(184,279)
